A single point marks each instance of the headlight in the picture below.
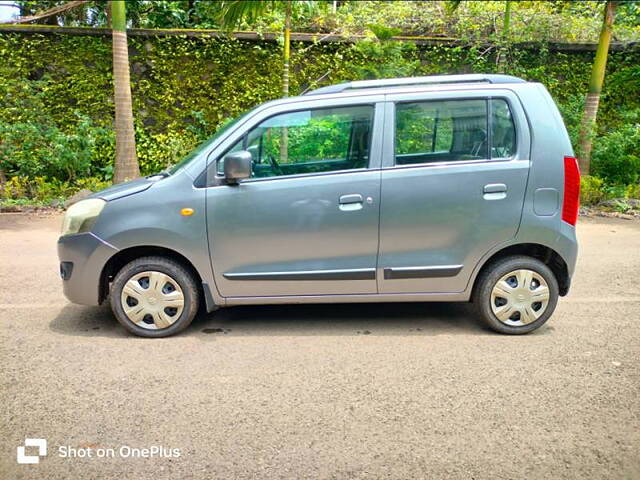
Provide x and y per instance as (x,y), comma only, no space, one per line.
(81,216)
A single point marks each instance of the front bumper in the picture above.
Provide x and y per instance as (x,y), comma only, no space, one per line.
(82,259)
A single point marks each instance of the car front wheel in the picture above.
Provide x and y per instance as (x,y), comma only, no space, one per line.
(154,297)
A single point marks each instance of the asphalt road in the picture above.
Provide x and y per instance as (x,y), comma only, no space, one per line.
(333,391)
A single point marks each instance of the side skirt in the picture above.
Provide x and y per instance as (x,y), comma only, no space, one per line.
(361,298)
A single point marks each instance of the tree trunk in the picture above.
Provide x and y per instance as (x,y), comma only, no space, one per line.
(287,50)
(284,145)
(507,20)
(503,49)
(126,163)
(588,125)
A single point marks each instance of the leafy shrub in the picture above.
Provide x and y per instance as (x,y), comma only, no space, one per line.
(161,150)
(591,190)
(95,184)
(40,190)
(41,149)
(633,191)
(594,190)
(385,58)
(33,144)
(572,109)
(616,155)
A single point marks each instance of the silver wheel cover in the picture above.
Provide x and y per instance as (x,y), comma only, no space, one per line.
(520,297)
(152,300)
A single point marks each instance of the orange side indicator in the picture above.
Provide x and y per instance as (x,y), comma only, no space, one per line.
(187,212)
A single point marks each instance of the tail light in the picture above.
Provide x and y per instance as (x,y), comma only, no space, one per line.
(571,201)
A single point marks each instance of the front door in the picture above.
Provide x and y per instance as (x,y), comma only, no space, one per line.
(453,182)
(306,222)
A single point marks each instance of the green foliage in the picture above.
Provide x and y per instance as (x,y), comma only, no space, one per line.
(594,190)
(238,13)
(157,151)
(575,21)
(33,144)
(382,32)
(324,136)
(530,21)
(616,155)
(58,88)
(382,57)
(40,190)
(385,59)
(632,191)
(572,109)
(591,190)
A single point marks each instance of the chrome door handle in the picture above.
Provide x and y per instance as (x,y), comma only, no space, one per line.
(351,202)
(495,188)
(352,198)
(494,191)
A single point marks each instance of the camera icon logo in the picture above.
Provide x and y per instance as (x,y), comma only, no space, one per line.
(41,443)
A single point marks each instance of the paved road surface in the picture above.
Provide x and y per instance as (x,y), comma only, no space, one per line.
(332,391)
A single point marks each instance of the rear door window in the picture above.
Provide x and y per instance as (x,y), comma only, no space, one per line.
(503,131)
(453,130)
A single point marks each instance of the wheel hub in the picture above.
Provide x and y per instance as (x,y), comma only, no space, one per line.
(519,297)
(152,300)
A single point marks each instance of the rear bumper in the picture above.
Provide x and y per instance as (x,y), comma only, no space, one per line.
(82,258)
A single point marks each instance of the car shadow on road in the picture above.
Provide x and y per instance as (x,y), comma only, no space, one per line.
(343,320)
(294,320)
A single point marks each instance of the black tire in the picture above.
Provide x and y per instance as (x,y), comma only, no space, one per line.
(177,273)
(493,273)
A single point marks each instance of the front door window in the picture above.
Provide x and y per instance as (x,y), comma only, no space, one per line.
(309,141)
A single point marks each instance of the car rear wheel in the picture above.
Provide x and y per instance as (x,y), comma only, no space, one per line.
(516,295)
(154,297)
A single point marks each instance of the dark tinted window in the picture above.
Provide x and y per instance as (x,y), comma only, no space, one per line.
(440,131)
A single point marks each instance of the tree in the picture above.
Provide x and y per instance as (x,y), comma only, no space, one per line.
(595,87)
(126,163)
(233,12)
(49,15)
(452,6)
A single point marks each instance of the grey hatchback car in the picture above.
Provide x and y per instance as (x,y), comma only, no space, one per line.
(443,188)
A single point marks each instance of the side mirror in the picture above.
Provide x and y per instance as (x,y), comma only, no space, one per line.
(237,166)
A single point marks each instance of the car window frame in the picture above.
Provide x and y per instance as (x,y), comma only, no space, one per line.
(522,149)
(208,180)
(513,122)
(487,125)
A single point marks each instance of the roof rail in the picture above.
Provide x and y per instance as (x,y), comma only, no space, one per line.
(430,80)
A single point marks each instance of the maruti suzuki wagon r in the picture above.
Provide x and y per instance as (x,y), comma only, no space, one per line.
(444,188)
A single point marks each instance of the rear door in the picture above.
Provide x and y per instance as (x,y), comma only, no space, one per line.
(455,168)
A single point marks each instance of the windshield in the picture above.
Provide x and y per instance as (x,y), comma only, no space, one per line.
(205,145)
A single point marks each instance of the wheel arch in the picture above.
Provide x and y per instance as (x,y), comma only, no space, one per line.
(545,254)
(122,257)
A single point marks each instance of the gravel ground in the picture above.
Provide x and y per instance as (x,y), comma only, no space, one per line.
(332,391)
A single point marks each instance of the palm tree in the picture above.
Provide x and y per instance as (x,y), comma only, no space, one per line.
(595,87)
(233,12)
(126,163)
